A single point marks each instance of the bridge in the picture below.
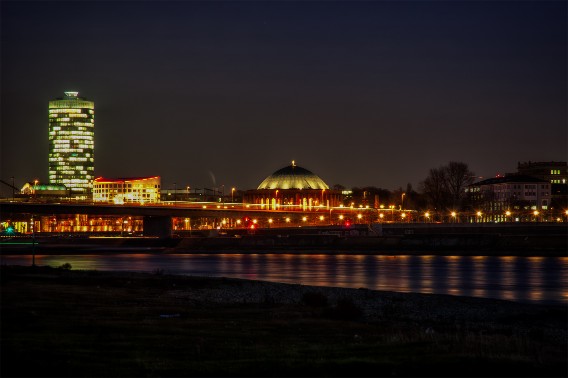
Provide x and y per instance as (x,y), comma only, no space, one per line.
(157,219)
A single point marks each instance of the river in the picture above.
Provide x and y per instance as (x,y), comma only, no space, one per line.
(522,279)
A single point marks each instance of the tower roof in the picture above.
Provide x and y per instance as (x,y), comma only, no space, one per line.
(293,177)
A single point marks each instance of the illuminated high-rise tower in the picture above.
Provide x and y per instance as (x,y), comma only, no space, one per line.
(71,142)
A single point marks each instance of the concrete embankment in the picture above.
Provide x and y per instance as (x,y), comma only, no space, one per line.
(518,239)
(434,244)
(466,239)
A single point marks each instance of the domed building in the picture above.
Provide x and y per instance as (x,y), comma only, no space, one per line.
(293,188)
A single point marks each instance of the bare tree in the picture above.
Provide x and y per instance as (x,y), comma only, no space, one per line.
(458,177)
(445,186)
(435,188)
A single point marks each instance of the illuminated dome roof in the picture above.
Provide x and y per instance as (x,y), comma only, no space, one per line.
(293,177)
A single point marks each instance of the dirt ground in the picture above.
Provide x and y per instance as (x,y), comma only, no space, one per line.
(67,323)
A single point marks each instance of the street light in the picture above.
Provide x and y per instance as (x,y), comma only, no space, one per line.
(402,201)
(233,195)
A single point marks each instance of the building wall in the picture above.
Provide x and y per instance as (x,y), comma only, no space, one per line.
(71,142)
(293,199)
(503,196)
(139,190)
(42,190)
(552,171)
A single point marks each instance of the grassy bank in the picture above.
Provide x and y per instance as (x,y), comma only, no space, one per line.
(60,322)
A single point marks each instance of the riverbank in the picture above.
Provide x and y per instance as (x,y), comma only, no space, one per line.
(506,239)
(442,245)
(92,323)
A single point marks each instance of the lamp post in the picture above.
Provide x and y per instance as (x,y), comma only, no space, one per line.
(12,187)
(402,201)
(188,187)
(175,191)
(233,195)
(35,188)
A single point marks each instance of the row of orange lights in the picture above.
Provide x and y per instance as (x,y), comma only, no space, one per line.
(507,213)
(304,219)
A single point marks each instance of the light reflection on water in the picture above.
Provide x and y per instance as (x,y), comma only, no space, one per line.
(525,279)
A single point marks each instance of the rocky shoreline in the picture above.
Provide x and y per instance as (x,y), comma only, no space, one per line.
(220,313)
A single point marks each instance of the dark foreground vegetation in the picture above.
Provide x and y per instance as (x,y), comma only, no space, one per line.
(61,322)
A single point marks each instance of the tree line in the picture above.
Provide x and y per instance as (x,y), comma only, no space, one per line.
(442,189)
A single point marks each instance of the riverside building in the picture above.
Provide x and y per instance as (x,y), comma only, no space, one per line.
(71,143)
(127,190)
(293,188)
(509,198)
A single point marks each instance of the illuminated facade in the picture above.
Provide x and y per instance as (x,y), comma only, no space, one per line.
(71,142)
(127,190)
(293,188)
(41,190)
(515,192)
(556,173)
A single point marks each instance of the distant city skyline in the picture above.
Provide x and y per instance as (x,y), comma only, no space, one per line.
(206,94)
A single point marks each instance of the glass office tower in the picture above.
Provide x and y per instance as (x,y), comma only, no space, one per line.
(71,142)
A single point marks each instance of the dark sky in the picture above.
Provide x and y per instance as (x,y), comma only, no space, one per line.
(225,93)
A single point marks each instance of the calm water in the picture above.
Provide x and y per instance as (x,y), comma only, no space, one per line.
(524,279)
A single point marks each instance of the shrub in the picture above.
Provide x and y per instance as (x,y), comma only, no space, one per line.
(65,266)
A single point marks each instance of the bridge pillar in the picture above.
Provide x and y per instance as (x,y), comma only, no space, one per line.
(160,226)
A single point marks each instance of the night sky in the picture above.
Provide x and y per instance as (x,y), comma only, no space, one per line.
(218,93)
